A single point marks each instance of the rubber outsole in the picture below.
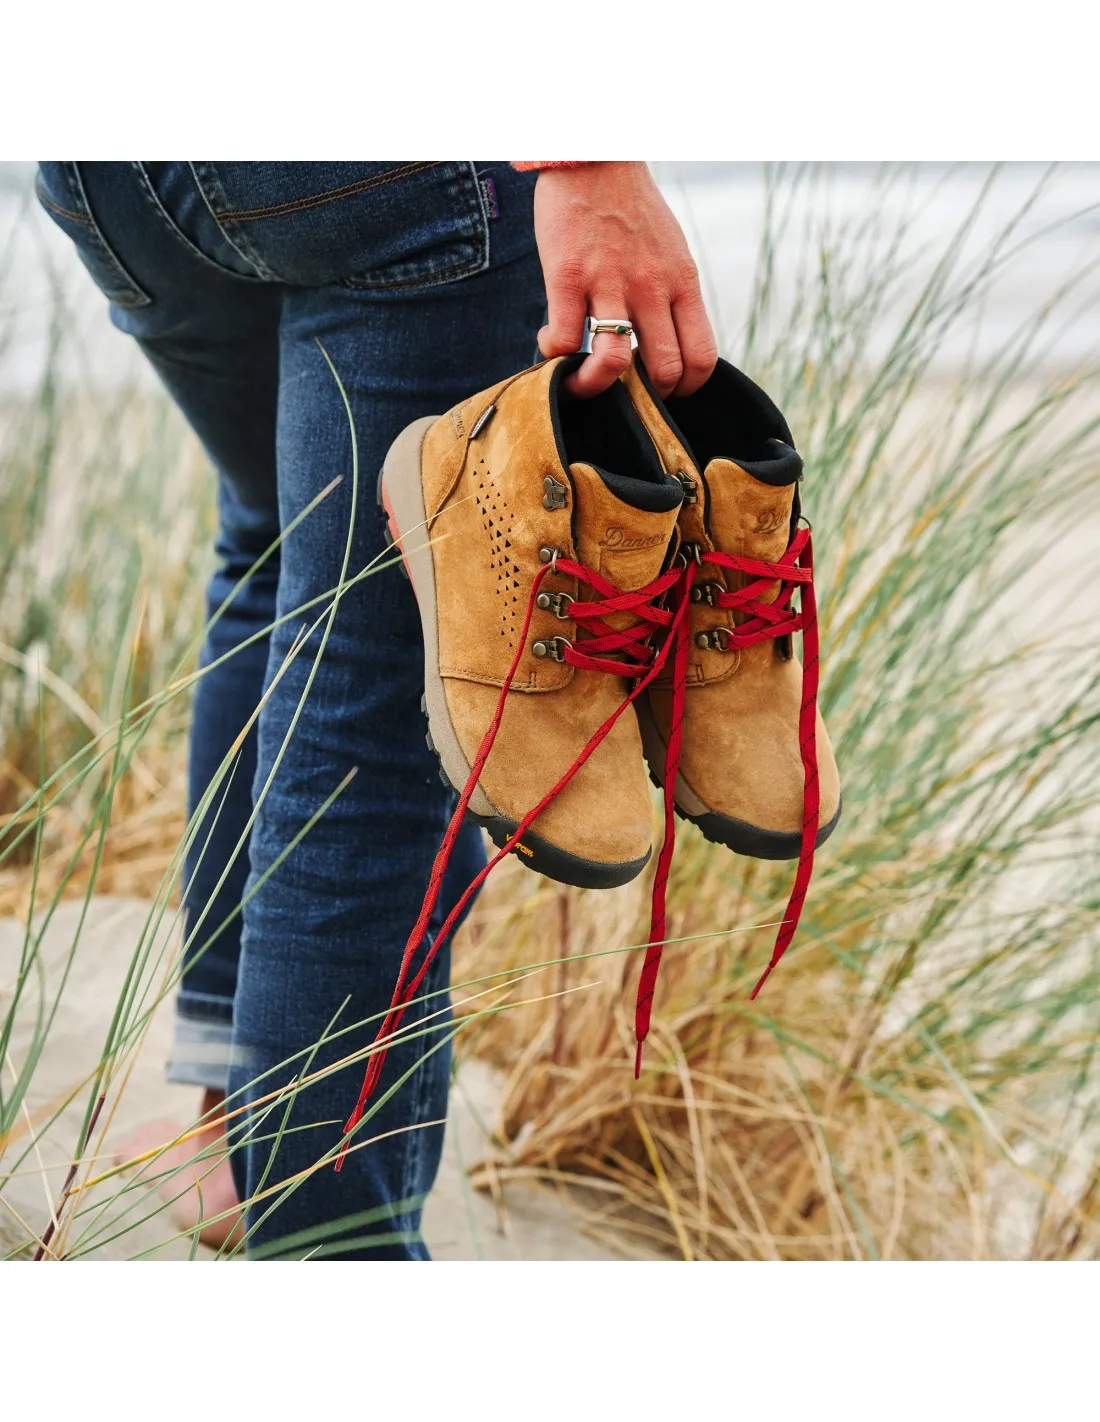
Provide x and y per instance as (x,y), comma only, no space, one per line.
(532,850)
(750,840)
(753,842)
(545,858)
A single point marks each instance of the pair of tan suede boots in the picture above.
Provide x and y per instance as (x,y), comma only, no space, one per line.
(522,481)
(607,589)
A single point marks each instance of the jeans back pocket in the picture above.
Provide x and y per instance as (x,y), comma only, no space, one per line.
(60,191)
(378,226)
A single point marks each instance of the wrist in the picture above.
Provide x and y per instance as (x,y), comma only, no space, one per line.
(540,167)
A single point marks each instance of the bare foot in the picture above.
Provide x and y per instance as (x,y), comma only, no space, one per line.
(202,1163)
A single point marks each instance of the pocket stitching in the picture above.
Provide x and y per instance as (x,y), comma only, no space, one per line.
(331,195)
(181,237)
(476,232)
(129,294)
(479,238)
(463,268)
(53,206)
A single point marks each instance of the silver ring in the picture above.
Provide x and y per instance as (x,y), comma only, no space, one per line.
(607,326)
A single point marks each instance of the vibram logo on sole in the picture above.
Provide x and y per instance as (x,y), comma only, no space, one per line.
(530,853)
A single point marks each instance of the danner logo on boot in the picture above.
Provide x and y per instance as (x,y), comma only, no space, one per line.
(456,420)
(770,520)
(619,541)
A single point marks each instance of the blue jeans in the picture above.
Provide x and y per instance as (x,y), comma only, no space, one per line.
(421,283)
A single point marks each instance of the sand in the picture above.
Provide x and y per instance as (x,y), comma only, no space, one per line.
(459,1222)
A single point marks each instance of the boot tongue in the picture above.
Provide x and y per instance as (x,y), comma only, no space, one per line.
(625,543)
(750,516)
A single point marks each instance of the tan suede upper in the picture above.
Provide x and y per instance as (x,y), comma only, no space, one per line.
(486,496)
(740,754)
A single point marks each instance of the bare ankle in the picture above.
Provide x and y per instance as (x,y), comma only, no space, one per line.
(210,1108)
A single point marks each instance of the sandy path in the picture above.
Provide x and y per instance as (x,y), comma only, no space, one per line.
(459,1223)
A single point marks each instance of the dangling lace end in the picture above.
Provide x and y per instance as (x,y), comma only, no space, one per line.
(638,1060)
(370,1081)
(353,1120)
(764,976)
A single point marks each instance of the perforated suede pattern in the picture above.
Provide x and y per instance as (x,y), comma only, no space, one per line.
(497,521)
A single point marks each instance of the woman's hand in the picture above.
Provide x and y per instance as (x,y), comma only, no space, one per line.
(610,246)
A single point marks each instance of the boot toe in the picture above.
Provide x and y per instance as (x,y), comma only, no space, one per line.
(597,831)
(742,782)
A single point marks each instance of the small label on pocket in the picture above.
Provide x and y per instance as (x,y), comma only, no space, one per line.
(489,193)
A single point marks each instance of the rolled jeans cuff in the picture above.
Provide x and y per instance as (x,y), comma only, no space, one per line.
(202,1041)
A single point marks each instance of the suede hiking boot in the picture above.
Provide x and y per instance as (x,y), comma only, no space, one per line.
(741,774)
(517,486)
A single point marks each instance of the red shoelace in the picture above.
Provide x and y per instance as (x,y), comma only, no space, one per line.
(633,653)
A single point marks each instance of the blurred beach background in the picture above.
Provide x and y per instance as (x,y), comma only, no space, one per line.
(919,1080)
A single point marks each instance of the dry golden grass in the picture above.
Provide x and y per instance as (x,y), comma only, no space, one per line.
(146,825)
(814,1123)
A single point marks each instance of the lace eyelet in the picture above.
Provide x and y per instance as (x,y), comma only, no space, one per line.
(553,647)
(686,552)
(555,495)
(707,592)
(558,603)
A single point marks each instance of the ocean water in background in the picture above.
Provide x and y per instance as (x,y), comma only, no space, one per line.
(47,304)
